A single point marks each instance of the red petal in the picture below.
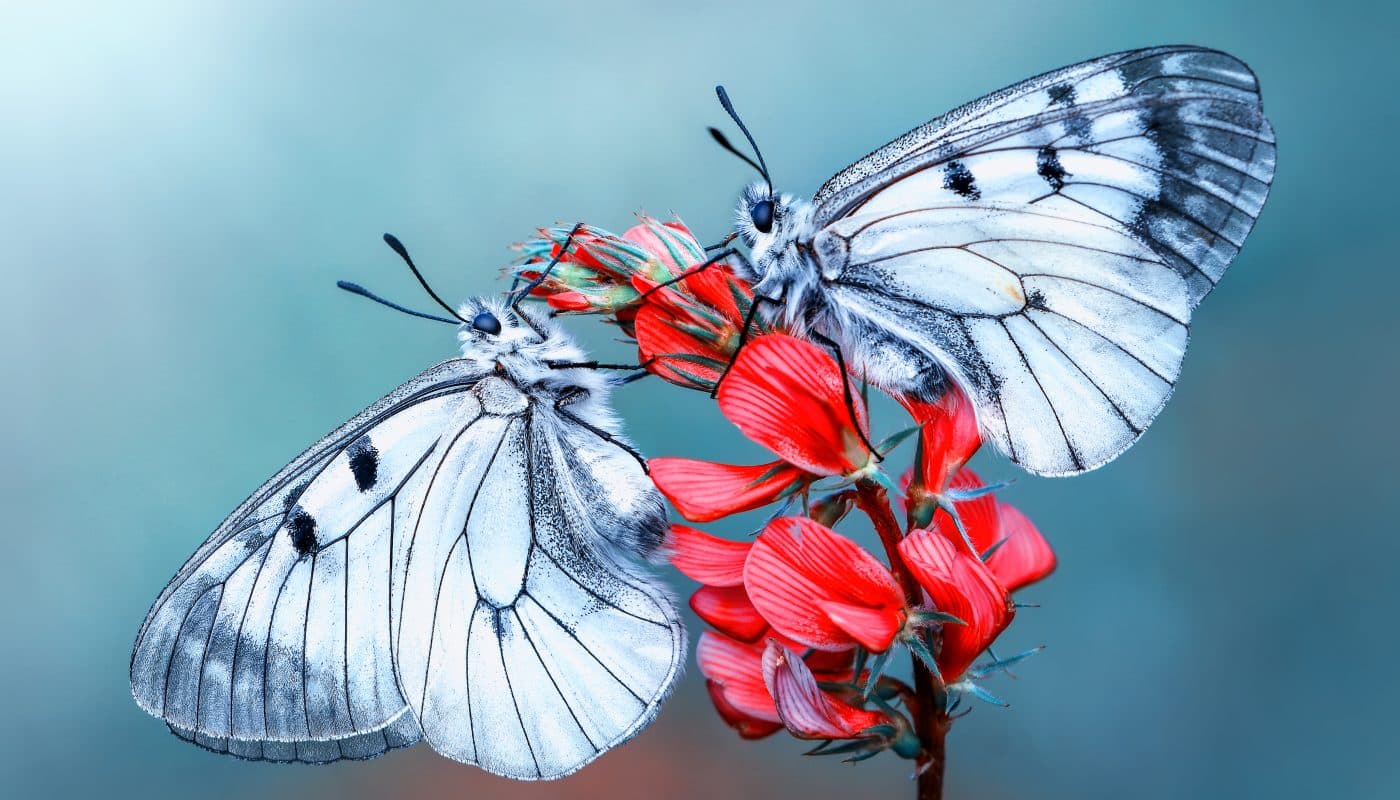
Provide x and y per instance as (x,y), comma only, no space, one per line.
(702,491)
(948,438)
(569,301)
(796,565)
(785,394)
(807,711)
(680,348)
(728,610)
(1025,557)
(979,515)
(738,669)
(708,559)
(673,246)
(874,628)
(748,727)
(961,585)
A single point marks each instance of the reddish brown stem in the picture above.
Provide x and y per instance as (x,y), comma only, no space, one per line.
(930,722)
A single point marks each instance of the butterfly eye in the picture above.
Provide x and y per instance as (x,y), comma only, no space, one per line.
(486,322)
(762,215)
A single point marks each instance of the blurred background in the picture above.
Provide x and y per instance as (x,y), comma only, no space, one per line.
(182,183)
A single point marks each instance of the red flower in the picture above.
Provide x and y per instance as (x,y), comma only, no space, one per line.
(821,589)
(707,559)
(1015,551)
(728,610)
(1023,557)
(786,394)
(948,438)
(959,584)
(688,331)
(702,491)
(807,711)
(736,670)
(596,274)
(733,672)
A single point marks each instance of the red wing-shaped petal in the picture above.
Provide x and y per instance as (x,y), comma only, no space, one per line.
(807,711)
(958,583)
(1024,557)
(738,669)
(786,394)
(702,491)
(708,559)
(798,565)
(727,609)
(948,436)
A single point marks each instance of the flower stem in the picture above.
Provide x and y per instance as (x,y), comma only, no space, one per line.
(931,723)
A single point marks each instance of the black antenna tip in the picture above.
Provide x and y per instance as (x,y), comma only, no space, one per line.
(393,242)
(353,288)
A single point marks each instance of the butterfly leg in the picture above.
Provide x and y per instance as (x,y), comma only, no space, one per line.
(749,319)
(595,365)
(846,389)
(560,408)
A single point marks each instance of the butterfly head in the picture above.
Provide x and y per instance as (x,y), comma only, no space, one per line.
(510,336)
(772,225)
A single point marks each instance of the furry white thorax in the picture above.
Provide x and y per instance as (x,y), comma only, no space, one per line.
(777,267)
(522,352)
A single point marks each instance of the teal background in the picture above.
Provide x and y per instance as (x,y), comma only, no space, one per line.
(181,184)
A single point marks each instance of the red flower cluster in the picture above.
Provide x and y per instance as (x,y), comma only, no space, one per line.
(686,330)
(804,619)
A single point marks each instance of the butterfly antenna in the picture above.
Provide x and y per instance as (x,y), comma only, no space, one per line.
(398,247)
(734,115)
(723,141)
(355,288)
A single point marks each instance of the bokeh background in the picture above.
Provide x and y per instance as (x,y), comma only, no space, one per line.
(182,183)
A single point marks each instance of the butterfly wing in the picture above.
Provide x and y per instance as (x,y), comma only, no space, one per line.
(1047,243)
(274,640)
(1068,335)
(527,645)
(402,732)
(1170,143)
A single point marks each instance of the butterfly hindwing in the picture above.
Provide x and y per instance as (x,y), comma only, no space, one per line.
(1170,143)
(525,646)
(402,732)
(274,640)
(1068,334)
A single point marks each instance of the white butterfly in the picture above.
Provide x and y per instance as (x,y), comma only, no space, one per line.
(1043,246)
(454,563)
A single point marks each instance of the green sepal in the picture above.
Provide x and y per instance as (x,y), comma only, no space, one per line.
(1001,664)
(884,446)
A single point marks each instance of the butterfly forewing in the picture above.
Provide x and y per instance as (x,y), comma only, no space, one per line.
(1047,244)
(1170,143)
(278,629)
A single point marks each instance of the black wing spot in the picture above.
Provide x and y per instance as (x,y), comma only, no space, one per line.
(1061,94)
(958,178)
(1048,166)
(1036,299)
(364,463)
(301,526)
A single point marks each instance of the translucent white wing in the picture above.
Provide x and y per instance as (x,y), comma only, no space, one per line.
(526,646)
(274,640)
(402,732)
(1068,334)
(1169,143)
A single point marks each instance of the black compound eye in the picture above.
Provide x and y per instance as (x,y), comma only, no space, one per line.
(762,215)
(486,322)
